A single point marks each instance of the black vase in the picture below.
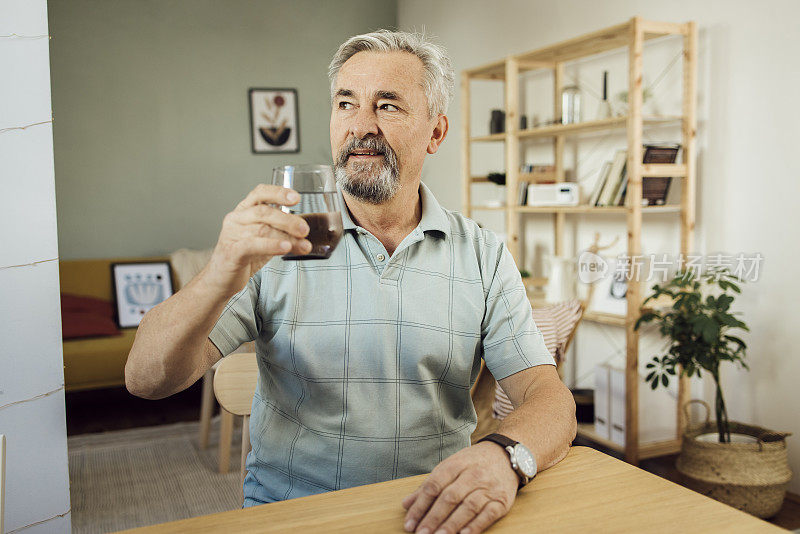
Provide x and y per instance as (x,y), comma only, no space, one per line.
(497,124)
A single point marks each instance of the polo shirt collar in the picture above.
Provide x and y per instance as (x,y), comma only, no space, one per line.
(433,216)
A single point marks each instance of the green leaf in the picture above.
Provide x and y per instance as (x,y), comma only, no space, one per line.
(650,376)
(710,331)
(654,384)
(664,380)
(736,340)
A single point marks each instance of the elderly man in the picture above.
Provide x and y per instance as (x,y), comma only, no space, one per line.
(366,359)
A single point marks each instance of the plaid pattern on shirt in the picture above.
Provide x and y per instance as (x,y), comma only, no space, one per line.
(366,361)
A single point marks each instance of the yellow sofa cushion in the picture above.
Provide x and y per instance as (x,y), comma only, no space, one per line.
(97,362)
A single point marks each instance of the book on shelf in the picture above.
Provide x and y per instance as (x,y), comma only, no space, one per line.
(599,183)
(522,193)
(619,198)
(614,179)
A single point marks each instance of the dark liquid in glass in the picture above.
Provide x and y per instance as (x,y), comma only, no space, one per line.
(325,232)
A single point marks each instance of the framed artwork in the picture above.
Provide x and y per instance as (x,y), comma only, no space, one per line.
(274,124)
(139,287)
(610,293)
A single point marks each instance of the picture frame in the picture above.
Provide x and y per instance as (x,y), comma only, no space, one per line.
(137,288)
(274,120)
(610,293)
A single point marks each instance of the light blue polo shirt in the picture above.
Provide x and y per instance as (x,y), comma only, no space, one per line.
(366,360)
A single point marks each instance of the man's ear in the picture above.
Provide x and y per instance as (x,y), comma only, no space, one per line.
(438,135)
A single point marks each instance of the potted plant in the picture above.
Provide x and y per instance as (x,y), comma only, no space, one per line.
(527,280)
(744,466)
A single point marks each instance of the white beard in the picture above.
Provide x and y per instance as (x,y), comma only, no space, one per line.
(362,182)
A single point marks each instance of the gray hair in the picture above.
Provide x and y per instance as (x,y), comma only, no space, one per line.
(438,78)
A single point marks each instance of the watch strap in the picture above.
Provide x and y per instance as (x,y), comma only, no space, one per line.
(500,439)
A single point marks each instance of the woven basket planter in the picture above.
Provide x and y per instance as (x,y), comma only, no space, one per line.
(749,476)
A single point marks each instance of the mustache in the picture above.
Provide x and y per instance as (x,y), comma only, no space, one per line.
(371,142)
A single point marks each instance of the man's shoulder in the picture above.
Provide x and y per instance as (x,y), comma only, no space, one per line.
(466,230)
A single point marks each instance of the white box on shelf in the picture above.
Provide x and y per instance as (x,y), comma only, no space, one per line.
(616,405)
(601,401)
(559,194)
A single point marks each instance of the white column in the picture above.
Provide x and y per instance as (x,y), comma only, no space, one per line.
(31,363)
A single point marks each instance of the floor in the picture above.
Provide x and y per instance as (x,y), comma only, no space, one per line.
(116,409)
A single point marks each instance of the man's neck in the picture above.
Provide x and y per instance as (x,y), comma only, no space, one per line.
(391,221)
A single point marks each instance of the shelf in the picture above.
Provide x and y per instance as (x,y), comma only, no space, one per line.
(491,137)
(590,126)
(533,177)
(495,70)
(618,36)
(646,450)
(536,177)
(488,208)
(655,170)
(626,39)
(604,318)
(585,45)
(553,130)
(596,209)
(586,430)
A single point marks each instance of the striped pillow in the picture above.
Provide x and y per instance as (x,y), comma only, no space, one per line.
(556,322)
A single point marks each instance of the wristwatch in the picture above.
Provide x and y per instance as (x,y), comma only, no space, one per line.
(522,461)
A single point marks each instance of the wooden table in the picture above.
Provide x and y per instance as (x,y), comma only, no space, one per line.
(586,492)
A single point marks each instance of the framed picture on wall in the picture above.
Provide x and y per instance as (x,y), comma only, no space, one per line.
(274,124)
(611,291)
(139,287)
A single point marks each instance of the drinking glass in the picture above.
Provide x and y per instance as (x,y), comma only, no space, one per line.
(319,206)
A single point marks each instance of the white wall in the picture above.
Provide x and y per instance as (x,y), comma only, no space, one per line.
(31,368)
(747,169)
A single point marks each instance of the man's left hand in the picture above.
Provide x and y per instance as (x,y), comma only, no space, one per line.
(464,494)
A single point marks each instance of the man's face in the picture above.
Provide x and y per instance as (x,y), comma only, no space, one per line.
(380,126)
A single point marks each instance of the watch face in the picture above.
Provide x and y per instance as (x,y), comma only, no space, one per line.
(525,460)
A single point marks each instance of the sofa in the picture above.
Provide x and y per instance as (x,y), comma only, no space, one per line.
(95,362)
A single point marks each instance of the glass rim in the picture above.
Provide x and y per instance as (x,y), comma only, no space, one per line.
(303,167)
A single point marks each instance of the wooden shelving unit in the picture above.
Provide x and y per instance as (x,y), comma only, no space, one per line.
(630,35)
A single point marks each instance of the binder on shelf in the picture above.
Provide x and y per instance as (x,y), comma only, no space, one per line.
(601,401)
(616,405)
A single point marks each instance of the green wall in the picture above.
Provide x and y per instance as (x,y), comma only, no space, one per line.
(151,131)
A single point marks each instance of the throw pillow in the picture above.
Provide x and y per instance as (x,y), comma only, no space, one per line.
(81,324)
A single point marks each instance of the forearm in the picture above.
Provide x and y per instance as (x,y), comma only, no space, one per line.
(168,353)
(544,422)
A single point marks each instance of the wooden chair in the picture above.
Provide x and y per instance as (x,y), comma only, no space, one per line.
(235,381)
(207,409)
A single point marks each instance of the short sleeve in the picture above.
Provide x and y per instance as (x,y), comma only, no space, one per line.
(511,340)
(238,322)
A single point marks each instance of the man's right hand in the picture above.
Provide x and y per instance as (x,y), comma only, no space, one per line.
(252,234)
